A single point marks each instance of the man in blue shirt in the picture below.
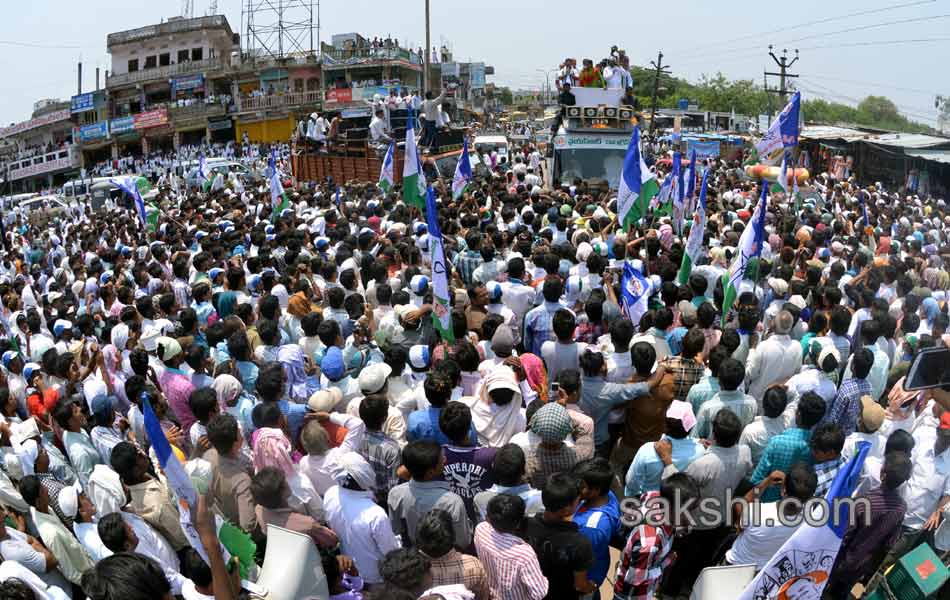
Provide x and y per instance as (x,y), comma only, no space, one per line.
(424,424)
(646,470)
(598,514)
(538,323)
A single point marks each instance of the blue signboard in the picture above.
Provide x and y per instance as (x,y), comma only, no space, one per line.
(708,149)
(189,82)
(83,102)
(121,125)
(94,131)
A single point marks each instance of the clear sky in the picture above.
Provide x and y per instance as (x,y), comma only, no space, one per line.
(521,38)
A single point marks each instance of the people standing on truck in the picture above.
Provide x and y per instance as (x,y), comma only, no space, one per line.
(591,76)
(379,132)
(567,74)
(430,108)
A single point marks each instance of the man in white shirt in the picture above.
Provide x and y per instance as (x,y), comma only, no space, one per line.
(774,360)
(379,131)
(756,544)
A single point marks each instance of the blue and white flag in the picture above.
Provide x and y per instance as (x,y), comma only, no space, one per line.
(128,185)
(691,183)
(679,204)
(441,308)
(463,173)
(749,248)
(783,172)
(864,208)
(635,293)
(202,167)
(339,203)
(802,566)
(783,133)
(637,185)
(278,198)
(386,176)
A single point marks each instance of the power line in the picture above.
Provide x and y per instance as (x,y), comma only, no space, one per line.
(840,31)
(835,97)
(811,23)
(36,45)
(871,83)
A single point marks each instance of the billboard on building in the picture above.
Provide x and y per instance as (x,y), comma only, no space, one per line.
(122,125)
(94,131)
(151,118)
(53,117)
(83,102)
(477,76)
(339,96)
(186,83)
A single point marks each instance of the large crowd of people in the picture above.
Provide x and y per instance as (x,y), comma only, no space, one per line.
(291,361)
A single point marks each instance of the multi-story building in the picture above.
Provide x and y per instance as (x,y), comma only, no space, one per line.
(39,153)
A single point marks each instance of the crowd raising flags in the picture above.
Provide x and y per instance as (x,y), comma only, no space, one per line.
(637,185)
(413,180)
(750,246)
(463,173)
(694,244)
(386,178)
(441,315)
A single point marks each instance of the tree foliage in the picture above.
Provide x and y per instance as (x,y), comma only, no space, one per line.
(746,97)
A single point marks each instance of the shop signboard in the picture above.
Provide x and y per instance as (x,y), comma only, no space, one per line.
(122,125)
(151,118)
(83,102)
(339,96)
(94,131)
(186,83)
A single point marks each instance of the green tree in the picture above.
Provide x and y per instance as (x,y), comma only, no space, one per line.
(879,109)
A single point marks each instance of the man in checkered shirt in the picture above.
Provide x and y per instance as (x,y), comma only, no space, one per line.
(647,551)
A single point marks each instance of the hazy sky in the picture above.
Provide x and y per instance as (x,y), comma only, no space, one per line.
(521,38)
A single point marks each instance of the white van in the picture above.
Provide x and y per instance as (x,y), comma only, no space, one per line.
(486,144)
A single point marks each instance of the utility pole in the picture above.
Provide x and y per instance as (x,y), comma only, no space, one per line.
(425,56)
(783,74)
(659,68)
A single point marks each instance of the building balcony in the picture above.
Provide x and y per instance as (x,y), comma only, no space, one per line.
(57,160)
(199,110)
(339,57)
(209,65)
(273,101)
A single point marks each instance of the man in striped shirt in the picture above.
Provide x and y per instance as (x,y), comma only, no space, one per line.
(510,563)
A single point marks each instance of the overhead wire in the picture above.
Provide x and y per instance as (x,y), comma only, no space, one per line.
(812,23)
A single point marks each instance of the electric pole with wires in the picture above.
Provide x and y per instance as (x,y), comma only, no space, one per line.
(659,68)
(783,74)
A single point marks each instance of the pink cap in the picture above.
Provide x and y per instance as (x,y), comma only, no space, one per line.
(683,412)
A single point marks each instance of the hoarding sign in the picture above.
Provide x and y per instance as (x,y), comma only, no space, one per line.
(189,82)
(94,131)
(151,118)
(339,96)
(122,125)
(83,102)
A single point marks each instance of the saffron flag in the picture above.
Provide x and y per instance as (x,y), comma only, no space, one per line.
(694,244)
(635,293)
(638,185)
(386,178)
(463,173)
(802,566)
(413,180)
(441,310)
(750,246)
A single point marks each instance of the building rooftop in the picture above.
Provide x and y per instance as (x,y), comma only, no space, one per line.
(172,26)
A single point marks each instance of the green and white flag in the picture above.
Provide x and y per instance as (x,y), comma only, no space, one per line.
(441,307)
(694,243)
(750,247)
(386,180)
(637,186)
(413,179)
(278,197)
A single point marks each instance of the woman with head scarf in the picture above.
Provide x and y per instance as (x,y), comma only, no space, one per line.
(299,386)
(235,401)
(929,309)
(535,378)
(496,412)
(298,307)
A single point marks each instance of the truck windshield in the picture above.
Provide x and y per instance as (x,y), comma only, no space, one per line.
(590,164)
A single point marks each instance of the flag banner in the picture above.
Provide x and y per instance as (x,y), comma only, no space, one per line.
(679,198)
(441,308)
(278,197)
(750,246)
(694,244)
(635,293)
(463,173)
(413,179)
(130,187)
(386,178)
(783,133)
(783,172)
(638,186)
(691,182)
(802,566)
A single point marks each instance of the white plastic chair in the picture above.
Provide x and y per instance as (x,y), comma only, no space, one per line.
(722,583)
(292,567)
